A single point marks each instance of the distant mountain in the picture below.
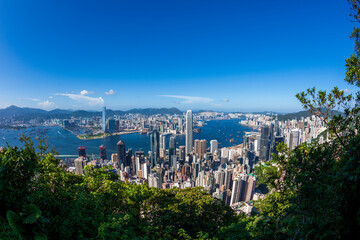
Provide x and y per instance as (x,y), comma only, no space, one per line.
(17,111)
(29,113)
(154,111)
(299,115)
(59,111)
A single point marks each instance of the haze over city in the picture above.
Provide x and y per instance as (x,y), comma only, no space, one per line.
(226,56)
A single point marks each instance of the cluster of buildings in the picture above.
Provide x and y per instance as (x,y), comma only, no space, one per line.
(135,122)
(226,173)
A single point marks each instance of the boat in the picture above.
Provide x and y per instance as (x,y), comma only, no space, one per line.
(197,130)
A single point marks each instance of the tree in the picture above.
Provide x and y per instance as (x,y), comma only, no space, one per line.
(315,188)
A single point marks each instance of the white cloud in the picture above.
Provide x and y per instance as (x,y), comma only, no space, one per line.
(91,101)
(33,99)
(226,100)
(86,92)
(51,97)
(190,99)
(110,92)
(346,90)
(46,104)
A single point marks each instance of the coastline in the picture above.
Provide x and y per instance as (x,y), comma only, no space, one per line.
(103,135)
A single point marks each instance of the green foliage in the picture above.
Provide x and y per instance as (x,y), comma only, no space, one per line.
(52,203)
(28,223)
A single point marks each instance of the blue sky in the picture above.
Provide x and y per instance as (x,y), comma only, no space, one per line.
(219,55)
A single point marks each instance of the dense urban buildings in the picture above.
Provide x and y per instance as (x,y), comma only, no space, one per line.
(225,172)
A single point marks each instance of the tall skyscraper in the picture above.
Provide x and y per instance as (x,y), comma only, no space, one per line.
(278,140)
(82,152)
(128,158)
(200,148)
(172,148)
(180,125)
(294,138)
(154,147)
(162,141)
(121,154)
(264,143)
(80,163)
(104,119)
(213,146)
(189,132)
(182,154)
(203,147)
(197,147)
(111,125)
(102,152)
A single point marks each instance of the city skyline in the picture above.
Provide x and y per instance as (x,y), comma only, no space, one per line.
(229,56)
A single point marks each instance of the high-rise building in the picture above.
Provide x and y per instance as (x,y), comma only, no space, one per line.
(294,138)
(154,147)
(114,158)
(278,140)
(250,188)
(117,125)
(121,154)
(200,148)
(102,152)
(197,147)
(162,141)
(172,149)
(203,147)
(139,160)
(80,163)
(180,125)
(182,154)
(82,151)
(213,146)
(111,125)
(238,190)
(189,132)
(104,119)
(264,143)
(128,158)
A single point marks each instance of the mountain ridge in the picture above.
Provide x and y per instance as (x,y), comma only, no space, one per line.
(18,112)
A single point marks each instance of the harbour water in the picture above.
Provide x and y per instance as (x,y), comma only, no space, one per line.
(66,143)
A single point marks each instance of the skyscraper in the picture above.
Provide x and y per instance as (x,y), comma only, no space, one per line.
(172,148)
(111,125)
(121,154)
(128,158)
(189,132)
(162,141)
(80,163)
(102,152)
(154,147)
(182,154)
(104,119)
(180,125)
(213,146)
(197,147)
(264,143)
(200,148)
(294,138)
(82,152)
(203,147)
